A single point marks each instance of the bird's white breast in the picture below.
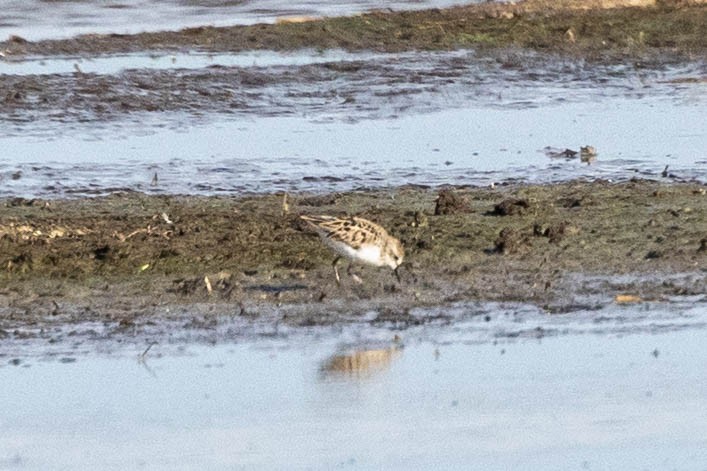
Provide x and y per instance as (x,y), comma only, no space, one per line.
(370,254)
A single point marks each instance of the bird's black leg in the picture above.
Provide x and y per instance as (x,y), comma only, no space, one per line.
(336,270)
(397,274)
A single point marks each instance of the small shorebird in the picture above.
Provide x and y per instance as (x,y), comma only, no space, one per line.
(359,240)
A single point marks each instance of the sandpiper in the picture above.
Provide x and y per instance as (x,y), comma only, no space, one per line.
(359,240)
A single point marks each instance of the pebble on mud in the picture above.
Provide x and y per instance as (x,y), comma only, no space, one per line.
(14,96)
(653,254)
(555,232)
(572,202)
(19,201)
(13,38)
(627,299)
(587,154)
(319,200)
(450,202)
(419,219)
(556,153)
(510,241)
(509,207)
(224,286)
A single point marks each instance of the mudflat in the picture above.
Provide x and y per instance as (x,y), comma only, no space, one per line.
(597,29)
(563,247)
(640,33)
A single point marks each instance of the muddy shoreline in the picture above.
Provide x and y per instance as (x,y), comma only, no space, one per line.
(130,259)
(133,262)
(600,30)
(534,41)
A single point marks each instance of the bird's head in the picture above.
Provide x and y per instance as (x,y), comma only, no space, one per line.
(394,253)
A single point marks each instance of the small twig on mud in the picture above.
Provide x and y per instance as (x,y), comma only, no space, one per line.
(135,232)
(166,218)
(141,357)
(208,284)
(147,231)
(285,205)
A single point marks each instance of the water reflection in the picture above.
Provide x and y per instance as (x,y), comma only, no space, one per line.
(619,388)
(359,364)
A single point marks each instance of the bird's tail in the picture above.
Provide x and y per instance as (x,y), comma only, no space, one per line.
(315,220)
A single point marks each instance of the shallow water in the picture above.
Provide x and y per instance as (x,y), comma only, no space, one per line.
(487,387)
(476,146)
(42,19)
(621,389)
(334,121)
(113,64)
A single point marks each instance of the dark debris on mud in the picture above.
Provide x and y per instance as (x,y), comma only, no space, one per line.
(116,261)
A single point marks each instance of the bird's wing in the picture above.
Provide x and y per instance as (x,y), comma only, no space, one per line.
(353,231)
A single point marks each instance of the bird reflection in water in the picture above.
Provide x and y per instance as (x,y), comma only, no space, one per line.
(358,364)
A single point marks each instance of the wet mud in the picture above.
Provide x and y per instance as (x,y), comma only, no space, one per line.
(129,263)
(366,87)
(132,262)
(602,45)
(533,41)
(600,29)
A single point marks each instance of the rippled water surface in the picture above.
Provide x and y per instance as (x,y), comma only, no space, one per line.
(476,146)
(337,121)
(474,386)
(507,388)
